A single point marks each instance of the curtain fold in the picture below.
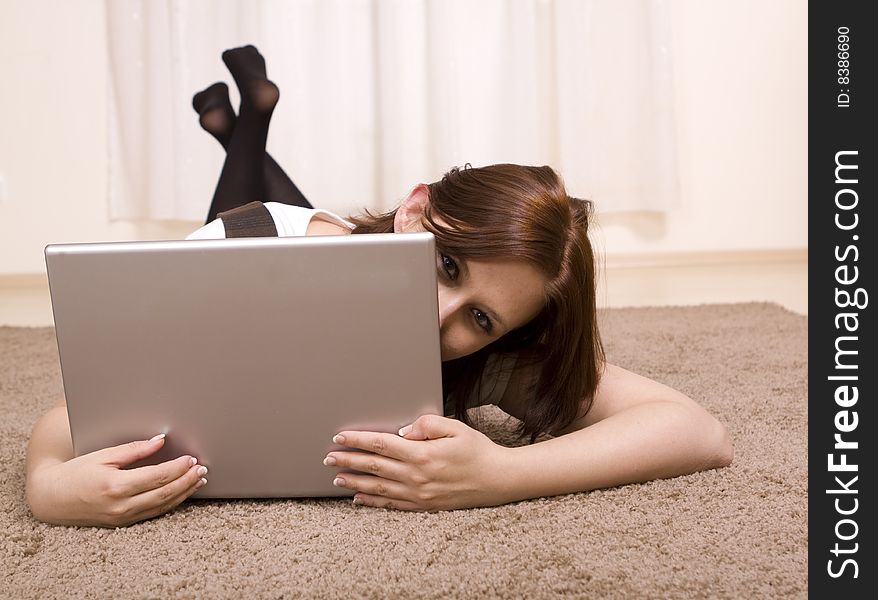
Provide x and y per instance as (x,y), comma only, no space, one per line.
(379,95)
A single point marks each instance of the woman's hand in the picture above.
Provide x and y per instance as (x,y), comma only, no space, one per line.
(94,489)
(440,464)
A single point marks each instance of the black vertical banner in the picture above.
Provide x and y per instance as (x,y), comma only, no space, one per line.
(842,365)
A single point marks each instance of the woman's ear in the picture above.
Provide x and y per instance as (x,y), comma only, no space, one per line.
(409,214)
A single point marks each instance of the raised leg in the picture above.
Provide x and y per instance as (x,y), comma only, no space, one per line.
(217,117)
(249,173)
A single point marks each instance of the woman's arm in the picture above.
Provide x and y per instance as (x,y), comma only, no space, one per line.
(637,430)
(95,489)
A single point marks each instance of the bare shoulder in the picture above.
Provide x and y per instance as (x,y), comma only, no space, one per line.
(319,226)
(619,389)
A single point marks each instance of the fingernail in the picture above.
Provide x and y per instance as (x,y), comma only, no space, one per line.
(193,461)
(200,483)
(202,470)
(405,430)
(339,439)
(329,461)
(157,437)
(338,482)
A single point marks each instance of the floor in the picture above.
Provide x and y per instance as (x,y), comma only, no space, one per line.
(24,300)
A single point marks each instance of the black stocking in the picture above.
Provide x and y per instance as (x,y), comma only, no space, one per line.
(249,173)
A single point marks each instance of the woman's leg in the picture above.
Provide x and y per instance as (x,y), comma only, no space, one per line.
(217,117)
(242,178)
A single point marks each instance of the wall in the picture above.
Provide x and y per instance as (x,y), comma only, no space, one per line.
(741,101)
(53,133)
(741,104)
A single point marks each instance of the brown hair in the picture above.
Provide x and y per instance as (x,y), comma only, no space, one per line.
(504,211)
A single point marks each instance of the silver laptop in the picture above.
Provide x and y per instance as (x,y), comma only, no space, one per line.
(250,354)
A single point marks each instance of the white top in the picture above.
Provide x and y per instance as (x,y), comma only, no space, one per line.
(290,221)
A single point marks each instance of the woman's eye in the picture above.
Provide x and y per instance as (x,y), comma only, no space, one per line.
(449,266)
(483,321)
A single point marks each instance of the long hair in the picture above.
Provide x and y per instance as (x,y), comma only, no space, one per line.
(511,211)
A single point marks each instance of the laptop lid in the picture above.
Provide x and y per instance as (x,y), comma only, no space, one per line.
(251,353)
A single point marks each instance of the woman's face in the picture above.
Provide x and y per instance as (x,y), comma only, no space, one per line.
(479,300)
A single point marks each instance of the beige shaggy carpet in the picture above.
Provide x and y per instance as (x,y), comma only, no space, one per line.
(738,532)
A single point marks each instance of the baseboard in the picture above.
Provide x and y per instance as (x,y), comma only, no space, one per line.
(19,281)
(710,258)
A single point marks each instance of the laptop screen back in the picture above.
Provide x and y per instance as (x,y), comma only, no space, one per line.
(250,354)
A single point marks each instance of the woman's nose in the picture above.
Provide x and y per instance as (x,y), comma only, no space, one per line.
(449,303)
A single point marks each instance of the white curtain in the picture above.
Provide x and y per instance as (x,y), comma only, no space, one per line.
(379,95)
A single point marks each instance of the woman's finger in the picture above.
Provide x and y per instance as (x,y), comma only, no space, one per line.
(160,500)
(126,454)
(371,464)
(172,502)
(385,444)
(152,477)
(374,486)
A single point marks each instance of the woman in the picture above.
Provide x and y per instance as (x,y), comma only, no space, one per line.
(517,327)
